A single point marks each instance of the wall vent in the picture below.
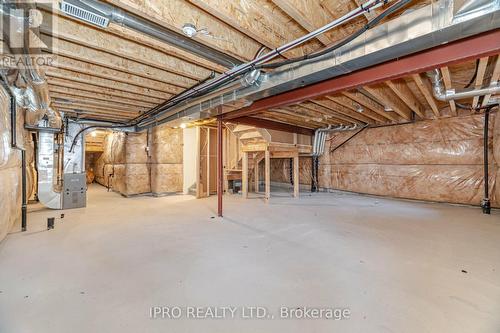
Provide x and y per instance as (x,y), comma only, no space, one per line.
(84,15)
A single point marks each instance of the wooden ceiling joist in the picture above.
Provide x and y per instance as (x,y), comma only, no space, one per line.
(447,84)
(67,99)
(481,70)
(118,76)
(89,87)
(400,88)
(386,97)
(316,112)
(78,93)
(349,115)
(173,14)
(345,103)
(311,15)
(424,88)
(294,118)
(87,36)
(256,20)
(110,115)
(368,103)
(495,76)
(306,116)
(103,109)
(165,48)
(105,83)
(118,63)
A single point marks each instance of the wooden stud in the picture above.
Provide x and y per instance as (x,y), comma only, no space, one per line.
(267,166)
(296,176)
(198,162)
(208,161)
(244,175)
(256,175)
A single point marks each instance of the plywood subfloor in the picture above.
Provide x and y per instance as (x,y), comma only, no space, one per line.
(398,266)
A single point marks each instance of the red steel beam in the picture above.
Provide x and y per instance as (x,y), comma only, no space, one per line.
(273,125)
(482,45)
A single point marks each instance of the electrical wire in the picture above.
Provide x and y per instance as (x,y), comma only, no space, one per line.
(257,63)
(368,26)
(473,78)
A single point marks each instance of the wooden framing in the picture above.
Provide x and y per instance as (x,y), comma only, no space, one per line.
(495,76)
(481,70)
(447,84)
(271,150)
(116,72)
(426,91)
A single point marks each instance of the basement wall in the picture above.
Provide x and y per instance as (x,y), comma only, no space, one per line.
(128,167)
(435,160)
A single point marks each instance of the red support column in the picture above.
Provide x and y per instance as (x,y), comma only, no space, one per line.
(220,176)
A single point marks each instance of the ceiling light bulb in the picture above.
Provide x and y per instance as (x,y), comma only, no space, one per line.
(93,134)
(359,109)
(189,29)
(183,125)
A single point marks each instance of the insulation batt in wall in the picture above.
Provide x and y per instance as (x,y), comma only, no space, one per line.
(166,160)
(280,170)
(10,168)
(436,160)
(125,166)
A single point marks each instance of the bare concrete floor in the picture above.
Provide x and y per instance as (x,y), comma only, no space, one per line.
(398,266)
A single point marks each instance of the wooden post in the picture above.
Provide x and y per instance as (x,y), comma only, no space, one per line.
(208,161)
(220,188)
(256,175)
(296,176)
(198,163)
(244,175)
(267,166)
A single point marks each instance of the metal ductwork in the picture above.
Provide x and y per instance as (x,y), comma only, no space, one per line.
(416,30)
(35,95)
(61,171)
(321,134)
(442,94)
(134,22)
(48,192)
